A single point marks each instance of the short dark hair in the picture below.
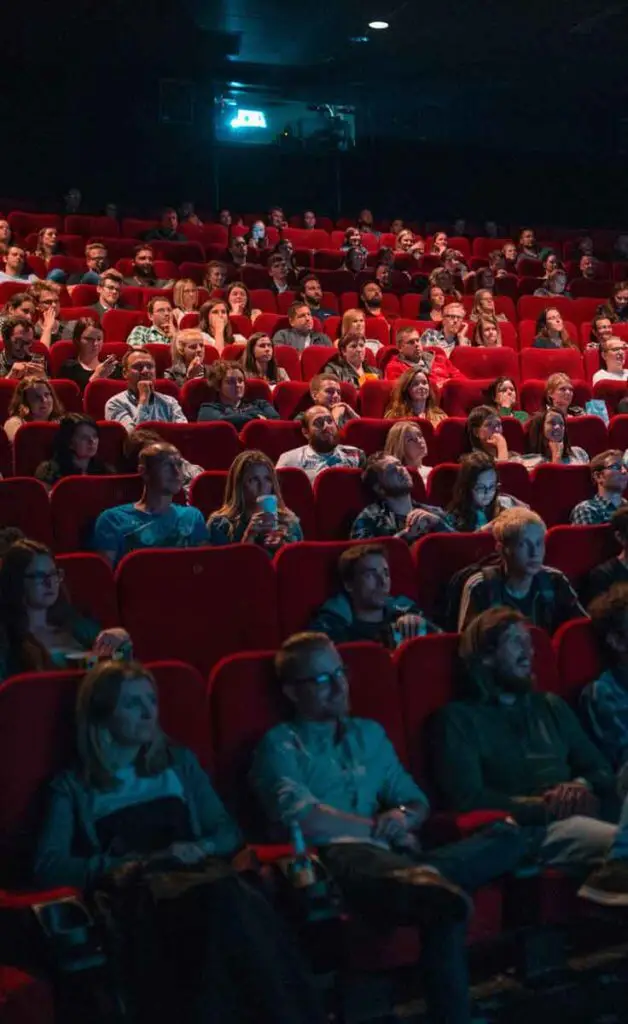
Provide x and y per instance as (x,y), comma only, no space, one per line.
(597,462)
(157,298)
(294,306)
(608,615)
(350,559)
(619,522)
(294,649)
(133,352)
(9,324)
(141,247)
(405,332)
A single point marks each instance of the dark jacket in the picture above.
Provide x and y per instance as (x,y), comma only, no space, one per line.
(346,373)
(243,413)
(335,618)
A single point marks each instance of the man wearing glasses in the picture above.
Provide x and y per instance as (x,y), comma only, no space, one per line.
(610,477)
(453,333)
(340,778)
(613,353)
(109,288)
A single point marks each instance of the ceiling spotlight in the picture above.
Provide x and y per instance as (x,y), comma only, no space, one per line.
(378,24)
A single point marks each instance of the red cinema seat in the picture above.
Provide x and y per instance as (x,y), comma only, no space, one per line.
(213,620)
(618,432)
(77,501)
(210,445)
(556,489)
(330,260)
(314,359)
(513,479)
(90,227)
(25,999)
(529,307)
(98,392)
(179,252)
(207,491)
(576,550)
(183,710)
(611,392)
(133,227)
(162,354)
(303,238)
(24,503)
(268,323)
(293,397)
(370,434)
(90,583)
(23,223)
(263,298)
(273,437)
(9,288)
(34,444)
(86,295)
(451,439)
(6,455)
(117,324)
(459,397)
(476,362)
(317,563)
(588,432)
(288,358)
(337,281)
(581,288)
(58,354)
(438,556)
(374,398)
(339,496)
(69,394)
(533,391)
(577,656)
(541,362)
(195,392)
(482,247)
(528,332)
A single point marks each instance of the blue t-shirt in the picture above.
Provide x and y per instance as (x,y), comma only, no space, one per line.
(125,528)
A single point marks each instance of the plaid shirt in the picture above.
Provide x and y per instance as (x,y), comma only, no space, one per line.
(141,336)
(378,520)
(604,706)
(594,511)
(438,339)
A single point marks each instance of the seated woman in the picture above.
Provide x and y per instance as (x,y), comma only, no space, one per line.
(484,306)
(39,627)
(256,237)
(559,393)
(34,401)
(48,245)
(19,304)
(406,442)
(215,277)
(617,306)
(350,365)
(215,326)
(502,397)
(413,395)
(228,381)
(548,441)
(551,332)
(354,322)
(141,438)
(211,948)
(188,357)
(86,364)
(185,298)
(258,360)
(485,433)
(244,517)
(486,333)
(440,243)
(238,301)
(476,500)
(74,451)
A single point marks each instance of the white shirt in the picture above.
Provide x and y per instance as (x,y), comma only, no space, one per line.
(607,375)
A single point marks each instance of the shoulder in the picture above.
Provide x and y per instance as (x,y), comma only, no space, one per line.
(117,515)
(554,576)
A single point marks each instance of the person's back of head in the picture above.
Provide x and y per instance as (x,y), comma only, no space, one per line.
(609,620)
(133,444)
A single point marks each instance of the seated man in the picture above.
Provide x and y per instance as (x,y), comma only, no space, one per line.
(237,253)
(301,331)
(615,570)
(140,402)
(363,608)
(453,333)
(15,266)
(528,247)
(411,356)
(505,746)
(371,299)
(17,360)
(154,521)
(280,275)
(109,288)
(311,294)
(49,328)
(604,703)
(325,390)
(393,513)
(339,778)
(521,581)
(143,271)
(167,230)
(322,449)
(95,264)
(162,327)
(610,477)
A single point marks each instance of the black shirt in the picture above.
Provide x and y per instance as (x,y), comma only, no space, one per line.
(602,578)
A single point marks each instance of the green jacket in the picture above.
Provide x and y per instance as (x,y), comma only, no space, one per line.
(492,755)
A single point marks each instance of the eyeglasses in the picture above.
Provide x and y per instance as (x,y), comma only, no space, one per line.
(484,488)
(339,675)
(56,576)
(616,467)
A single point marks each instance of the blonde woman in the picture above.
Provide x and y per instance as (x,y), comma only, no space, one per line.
(354,322)
(484,306)
(188,351)
(184,298)
(406,442)
(243,518)
(486,333)
(413,395)
(34,401)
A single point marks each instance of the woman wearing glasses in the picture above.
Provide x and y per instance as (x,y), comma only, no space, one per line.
(40,629)
(476,500)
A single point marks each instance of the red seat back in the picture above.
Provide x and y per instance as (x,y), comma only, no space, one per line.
(374,398)
(588,432)
(314,359)
(91,586)
(576,550)
(556,489)
(458,397)
(212,620)
(618,432)
(370,434)
(117,324)
(273,437)
(541,362)
(611,392)
(77,501)
(24,503)
(210,445)
(339,496)
(438,557)
(577,656)
(482,363)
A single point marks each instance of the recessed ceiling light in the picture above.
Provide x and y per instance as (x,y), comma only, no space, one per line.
(378,24)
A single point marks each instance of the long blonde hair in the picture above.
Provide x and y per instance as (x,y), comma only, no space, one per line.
(177,293)
(396,438)
(97,698)
(400,405)
(234,505)
(348,318)
(185,335)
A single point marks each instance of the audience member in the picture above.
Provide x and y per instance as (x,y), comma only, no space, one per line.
(311,293)
(308,220)
(610,477)
(86,366)
(558,395)
(502,397)
(555,284)
(246,516)
(19,304)
(8,536)
(453,332)
(528,247)
(354,322)
(48,245)
(485,433)
(486,334)
(300,334)
(185,296)
(74,451)
(484,306)
(371,300)
(604,702)
(413,395)
(258,360)
(161,330)
(477,500)
(188,357)
(143,270)
(510,255)
(615,570)
(276,218)
(215,276)
(215,326)
(601,330)
(225,218)
(40,627)
(281,277)
(521,581)
(410,356)
(188,215)
(350,364)
(322,449)
(551,331)
(617,305)
(256,237)
(6,236)
(405,441)
(141,438)
(134,798)
(340,778)
(505,746)
(109,288)
(440,243)
(16,359)
(393,512)
(140,403)
(355,252)
(588,267)
(326,390)
(168,228)
(15,265)
(613,355)
(433,304)
(49,328)
(237,254)
(33,401)
(548,441)
(229,384)
(238,301)
(155,521)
